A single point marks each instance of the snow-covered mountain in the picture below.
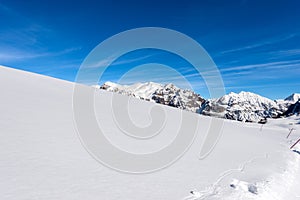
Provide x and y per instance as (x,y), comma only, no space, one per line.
(244,106)
(293,98)
(140,90)
(167,94)
(293,109)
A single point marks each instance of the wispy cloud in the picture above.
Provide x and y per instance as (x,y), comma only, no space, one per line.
(23,39)
(108,60)
(17,54)
(289,52)
(246,69)
(260,44)
(271,85)
(264,66)
(7,10)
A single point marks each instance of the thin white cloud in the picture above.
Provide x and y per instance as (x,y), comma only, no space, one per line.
(16,54)
(25,40)
(6,10)
(263,86)
(101,63)
(106,61)
(269,65)
(290,52)
(260,44)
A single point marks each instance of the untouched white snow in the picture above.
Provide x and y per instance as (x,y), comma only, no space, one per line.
(41,156)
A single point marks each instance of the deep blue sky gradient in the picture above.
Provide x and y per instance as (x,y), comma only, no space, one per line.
(255,44)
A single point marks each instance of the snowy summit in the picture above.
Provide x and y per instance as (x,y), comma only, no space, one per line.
(244,106)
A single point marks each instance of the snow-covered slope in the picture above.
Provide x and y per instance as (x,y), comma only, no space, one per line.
(244,106)
(41,156)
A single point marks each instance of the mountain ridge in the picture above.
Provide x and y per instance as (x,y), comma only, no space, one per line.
(243,106)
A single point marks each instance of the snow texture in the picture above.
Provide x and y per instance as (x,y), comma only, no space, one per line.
(41,156)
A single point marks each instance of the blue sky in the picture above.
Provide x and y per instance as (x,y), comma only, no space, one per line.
(255,44)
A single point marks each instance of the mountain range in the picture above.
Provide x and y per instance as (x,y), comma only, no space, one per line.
(243,106)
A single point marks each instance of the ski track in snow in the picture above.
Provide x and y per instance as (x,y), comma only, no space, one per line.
(213,189)
(268,188)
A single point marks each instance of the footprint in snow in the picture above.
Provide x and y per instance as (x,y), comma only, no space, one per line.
(245,186)
(193,196)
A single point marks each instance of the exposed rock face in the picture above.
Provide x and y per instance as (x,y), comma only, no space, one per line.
(173,96)
(293,98)
(244,106)
(293,109)
(167,94)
